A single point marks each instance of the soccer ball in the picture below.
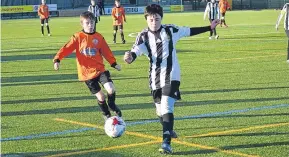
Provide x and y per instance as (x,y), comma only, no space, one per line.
(114,126)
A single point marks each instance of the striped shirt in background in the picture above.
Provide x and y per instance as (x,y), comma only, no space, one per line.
(213,11)
(94,10)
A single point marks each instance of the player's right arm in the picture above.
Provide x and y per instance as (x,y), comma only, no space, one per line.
(206,11)
(113,14)
(40,13)
(67,49)
(283,11)
(138,49)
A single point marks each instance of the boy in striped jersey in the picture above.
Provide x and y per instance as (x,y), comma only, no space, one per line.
(284,11)
(43,13)
(213,12)
(94,9)
(90,48)
(158,43)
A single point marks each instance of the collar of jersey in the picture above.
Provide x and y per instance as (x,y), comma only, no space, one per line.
(88,33)
(157,31)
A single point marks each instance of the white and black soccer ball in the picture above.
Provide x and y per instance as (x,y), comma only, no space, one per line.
(114,126)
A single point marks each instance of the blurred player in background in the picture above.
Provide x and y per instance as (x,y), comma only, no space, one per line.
(43,13)
(118,17)
(224,6)
(100,4)
(213,12)
(158,43)
(284,11)
(90,48)
(94,9)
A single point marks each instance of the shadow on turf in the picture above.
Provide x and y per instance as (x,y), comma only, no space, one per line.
(123,106)
(207,151)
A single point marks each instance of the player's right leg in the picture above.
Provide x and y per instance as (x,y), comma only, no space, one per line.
(42,25)
(95,89)
(114,33)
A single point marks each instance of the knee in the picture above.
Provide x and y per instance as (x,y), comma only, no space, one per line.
(167,105)
(109,87)
(42,24)
(100,96)
(158,109)
(46,24)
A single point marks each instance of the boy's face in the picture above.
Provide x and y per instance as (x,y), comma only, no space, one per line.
(43,1)
(87,25)
(117,4)
(93,2)
(154,22)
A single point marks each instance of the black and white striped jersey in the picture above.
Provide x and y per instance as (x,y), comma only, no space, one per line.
(212,10)
(159,47)
(94,10)
(284,11)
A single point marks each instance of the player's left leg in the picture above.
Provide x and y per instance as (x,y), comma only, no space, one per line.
(121,33)
(109,87)
(47,26)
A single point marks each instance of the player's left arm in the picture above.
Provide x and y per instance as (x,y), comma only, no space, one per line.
(108,55)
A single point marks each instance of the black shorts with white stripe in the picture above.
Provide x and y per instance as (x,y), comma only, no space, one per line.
(171,90)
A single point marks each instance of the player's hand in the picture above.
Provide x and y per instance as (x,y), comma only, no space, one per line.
(127,57)
(117,67)
(229,9)
(56,65)
(215,23)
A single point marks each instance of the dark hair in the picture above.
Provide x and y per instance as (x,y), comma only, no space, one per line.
(87,15)
(153,9)
(117,0)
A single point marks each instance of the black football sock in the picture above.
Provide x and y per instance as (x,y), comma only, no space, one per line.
(112,105)
(122,36)
(104,108)
(215,32)
(48,30)
(211,33)
(42,30)
(168,124)
(114,36)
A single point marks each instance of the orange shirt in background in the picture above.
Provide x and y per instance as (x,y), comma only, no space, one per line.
(224,5)
(43,11)
(90,50)
(118,15)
